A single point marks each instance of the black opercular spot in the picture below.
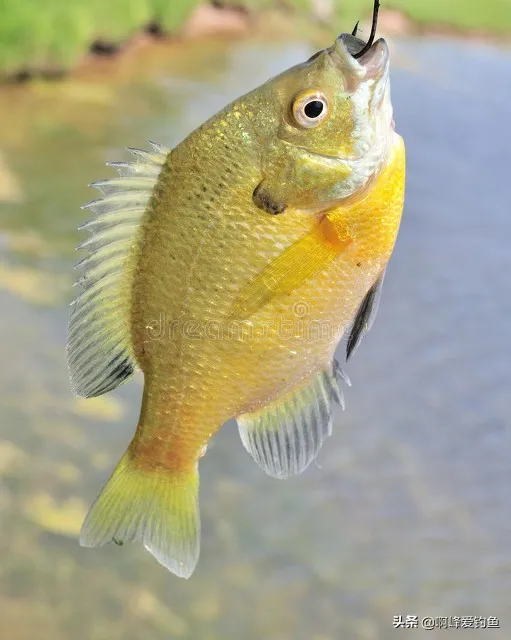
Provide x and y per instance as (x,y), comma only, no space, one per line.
(313,109)
(263,200)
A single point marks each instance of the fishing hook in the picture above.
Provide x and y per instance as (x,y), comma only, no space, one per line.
(373,30)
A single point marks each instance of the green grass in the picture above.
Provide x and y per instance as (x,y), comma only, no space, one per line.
(482,15)
(57,32)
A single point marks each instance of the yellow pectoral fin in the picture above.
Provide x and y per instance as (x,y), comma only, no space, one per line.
(298,263)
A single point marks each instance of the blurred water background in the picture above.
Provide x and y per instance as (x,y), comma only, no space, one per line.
(408,509)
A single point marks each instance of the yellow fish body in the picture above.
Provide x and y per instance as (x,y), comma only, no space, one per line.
(227,270)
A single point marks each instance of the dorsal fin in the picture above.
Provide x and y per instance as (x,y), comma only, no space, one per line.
(99,351)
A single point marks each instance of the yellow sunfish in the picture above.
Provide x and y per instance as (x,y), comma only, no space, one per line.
(227,269)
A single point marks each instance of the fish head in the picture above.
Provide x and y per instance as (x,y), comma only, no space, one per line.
(329,135)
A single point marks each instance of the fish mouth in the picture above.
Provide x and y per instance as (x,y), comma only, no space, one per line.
(373,64)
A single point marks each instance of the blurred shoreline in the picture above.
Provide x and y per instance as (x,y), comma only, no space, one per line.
(217,19)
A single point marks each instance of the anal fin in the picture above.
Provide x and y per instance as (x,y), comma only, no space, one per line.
(285,436)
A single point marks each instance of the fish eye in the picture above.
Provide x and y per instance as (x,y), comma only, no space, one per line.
(309,109)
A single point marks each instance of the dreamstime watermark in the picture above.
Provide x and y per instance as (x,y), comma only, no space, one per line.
(298,325)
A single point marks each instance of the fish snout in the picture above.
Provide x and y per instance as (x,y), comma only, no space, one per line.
(373,64)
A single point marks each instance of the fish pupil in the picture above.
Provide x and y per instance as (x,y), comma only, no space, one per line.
(313,109)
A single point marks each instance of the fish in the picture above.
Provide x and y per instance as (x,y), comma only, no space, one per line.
(227,270)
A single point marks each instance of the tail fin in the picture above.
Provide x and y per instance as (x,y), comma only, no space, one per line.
(156,506)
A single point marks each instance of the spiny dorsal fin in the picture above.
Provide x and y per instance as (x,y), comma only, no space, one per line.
(285,436)
(365,317)
(99,351)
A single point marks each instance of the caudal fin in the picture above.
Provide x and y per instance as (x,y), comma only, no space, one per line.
(158,507)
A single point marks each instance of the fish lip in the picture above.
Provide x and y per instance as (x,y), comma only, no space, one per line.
(372,65)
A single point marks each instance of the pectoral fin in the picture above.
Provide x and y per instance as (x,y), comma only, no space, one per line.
(298,263)
(365,317)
